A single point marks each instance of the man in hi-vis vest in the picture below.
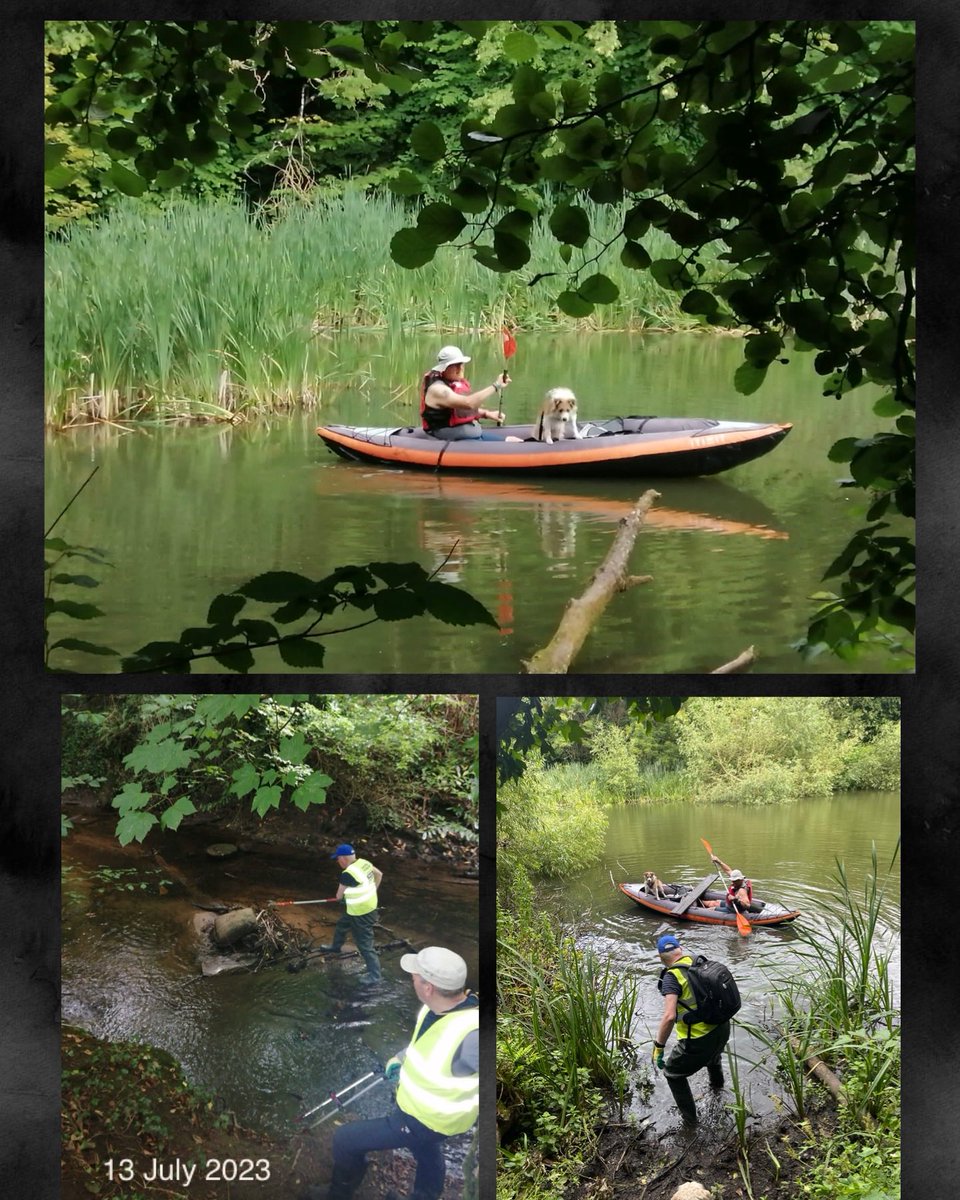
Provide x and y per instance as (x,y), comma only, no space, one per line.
(359,881)
(438,1077)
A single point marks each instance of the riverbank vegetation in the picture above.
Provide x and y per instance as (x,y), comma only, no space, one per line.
(204,310)
(729,750)
(829,1033)
(398,763)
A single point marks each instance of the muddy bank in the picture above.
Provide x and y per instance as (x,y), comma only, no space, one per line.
(634,1163)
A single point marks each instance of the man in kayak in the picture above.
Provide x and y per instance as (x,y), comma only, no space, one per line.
(448,408)
(359,881)
(739,895)
(698,1045)
(438,1082)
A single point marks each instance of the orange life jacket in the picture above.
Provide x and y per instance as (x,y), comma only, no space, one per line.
(443,418)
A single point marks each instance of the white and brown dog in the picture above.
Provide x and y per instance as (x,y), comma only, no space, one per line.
(557,414)
(654,887)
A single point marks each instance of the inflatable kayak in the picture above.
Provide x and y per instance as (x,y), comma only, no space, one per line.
(622,446)
(683,902)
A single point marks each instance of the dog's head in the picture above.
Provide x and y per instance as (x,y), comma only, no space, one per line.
(561,402)
(649,878)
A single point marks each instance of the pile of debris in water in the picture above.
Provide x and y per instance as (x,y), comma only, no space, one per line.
(242,939)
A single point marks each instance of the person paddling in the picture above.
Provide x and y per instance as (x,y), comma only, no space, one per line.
(448,408)
(739,895)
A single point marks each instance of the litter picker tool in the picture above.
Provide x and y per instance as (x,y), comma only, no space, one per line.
(283,903)
(356,1096)
(336,1097)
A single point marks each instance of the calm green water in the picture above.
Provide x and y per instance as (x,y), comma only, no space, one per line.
(269,1044)
(186,513)
(789,852)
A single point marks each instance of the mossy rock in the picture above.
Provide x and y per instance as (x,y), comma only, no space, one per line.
(222,850)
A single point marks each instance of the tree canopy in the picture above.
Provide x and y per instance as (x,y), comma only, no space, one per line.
(783,149)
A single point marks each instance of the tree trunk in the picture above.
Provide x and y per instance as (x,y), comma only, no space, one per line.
(582,612)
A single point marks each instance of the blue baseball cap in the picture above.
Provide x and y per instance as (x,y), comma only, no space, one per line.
(667,942)
(342,850)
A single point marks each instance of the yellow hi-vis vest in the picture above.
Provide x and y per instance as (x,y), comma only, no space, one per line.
(687,1000)
(362,897)
(442,1101)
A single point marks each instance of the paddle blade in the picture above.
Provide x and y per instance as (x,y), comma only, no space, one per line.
(509,343)
(707,847)
(743,925)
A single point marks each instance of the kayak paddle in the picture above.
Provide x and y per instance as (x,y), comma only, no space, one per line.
(743,925)
(282,903)
(509,350)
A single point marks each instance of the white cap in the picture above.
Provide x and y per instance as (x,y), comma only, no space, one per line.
(438,966)
(448,356)
(735,874)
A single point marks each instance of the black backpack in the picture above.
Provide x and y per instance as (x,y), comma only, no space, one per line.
(714,990)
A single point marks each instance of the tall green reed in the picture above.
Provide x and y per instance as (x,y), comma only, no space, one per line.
(208,309)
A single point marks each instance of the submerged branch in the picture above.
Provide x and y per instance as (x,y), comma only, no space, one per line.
(582,612)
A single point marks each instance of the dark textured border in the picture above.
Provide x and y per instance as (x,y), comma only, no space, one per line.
(29,783)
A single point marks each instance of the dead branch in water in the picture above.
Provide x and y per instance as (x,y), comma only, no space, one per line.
(740,663)
(582,612)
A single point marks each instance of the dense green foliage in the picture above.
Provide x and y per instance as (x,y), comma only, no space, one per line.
(409,762)
(840,1007)
(785,147)
(563,1024)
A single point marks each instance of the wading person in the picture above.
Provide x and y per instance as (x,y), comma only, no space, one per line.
(438,1077)
(359,881)
(448,408)
(699,1043)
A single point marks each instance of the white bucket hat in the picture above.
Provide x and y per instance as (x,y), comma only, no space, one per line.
(438,966)
(448,356)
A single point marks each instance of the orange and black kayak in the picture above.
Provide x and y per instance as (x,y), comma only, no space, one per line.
(621,446)
(684,903)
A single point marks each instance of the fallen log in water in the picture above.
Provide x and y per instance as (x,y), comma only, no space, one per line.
(747,658)
(582,612)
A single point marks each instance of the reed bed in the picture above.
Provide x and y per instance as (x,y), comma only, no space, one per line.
(208,311)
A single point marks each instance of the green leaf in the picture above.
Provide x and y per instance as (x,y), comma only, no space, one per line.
(301,652)
(72,608)
(574,305)
(570,223)
(599,289)
(313,790)
(397,605)
(171,817)
(294,749)
(405,183)
(672,274)
(410,248)
(634,256)
(134,827)
(245,779)
(748,377)
(266,798)
(275,586)
(158,755)
(512,251)
(440,223)
(454,606)
(224,608)
(427,142)
(53,152)
(519,46)
(125,180)
(80,644)
(234,658)
(214,710)
(131,798)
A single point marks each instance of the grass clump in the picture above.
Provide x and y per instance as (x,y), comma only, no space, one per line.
(563,1022)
